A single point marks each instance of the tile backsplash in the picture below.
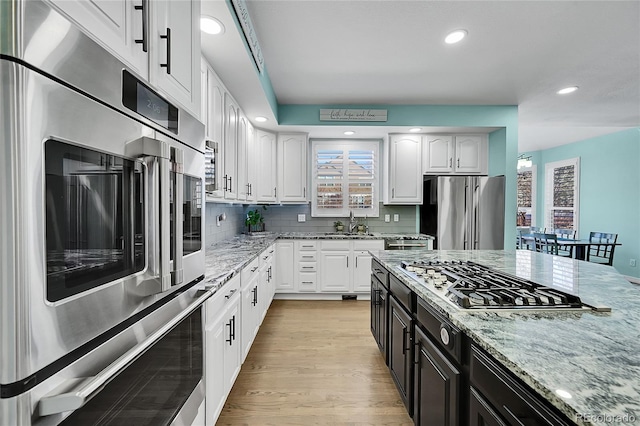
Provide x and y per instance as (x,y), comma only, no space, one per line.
(284,218)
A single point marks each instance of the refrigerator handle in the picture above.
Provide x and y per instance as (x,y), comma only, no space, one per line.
(466,217)
(476,204)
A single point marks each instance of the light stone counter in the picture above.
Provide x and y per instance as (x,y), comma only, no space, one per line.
(595,357)
(227,258)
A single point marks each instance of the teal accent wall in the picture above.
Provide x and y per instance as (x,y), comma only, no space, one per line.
(609,190)
(503,143)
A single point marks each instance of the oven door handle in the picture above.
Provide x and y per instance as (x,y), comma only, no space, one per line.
(177,161)
(158,155)
(74,393)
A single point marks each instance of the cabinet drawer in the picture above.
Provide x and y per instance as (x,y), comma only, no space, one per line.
(368,245)
(403,293)
(266,255)
(335,245)
(307,256)
(250,270)
(307,245)
(380,273)
(307,282)
(307,266)
(219,301)
(511,399)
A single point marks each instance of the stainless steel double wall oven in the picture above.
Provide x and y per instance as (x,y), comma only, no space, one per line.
(101,220)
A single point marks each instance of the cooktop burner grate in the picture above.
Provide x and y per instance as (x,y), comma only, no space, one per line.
(473,286)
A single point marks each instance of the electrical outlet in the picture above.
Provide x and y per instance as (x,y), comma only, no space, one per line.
(387,218)
(396,217)
(632,263)
(302,218)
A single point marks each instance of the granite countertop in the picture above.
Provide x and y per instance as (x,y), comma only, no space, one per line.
(593,356)
(227,258)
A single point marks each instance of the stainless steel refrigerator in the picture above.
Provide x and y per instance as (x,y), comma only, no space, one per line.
(464,212)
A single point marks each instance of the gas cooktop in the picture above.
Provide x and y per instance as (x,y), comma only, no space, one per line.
(472,286)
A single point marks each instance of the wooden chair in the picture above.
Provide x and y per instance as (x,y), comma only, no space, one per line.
(545,243)
(599,253)
(570,234)
(521,243)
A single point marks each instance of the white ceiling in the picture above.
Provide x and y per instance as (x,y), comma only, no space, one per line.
(392,52)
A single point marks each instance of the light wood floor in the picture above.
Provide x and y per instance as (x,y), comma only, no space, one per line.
(314,362)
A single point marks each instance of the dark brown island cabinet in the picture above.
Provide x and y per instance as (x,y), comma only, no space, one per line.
(443,377)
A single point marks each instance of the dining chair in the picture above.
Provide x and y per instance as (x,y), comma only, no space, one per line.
(569,234)
(545,243)
(601,247)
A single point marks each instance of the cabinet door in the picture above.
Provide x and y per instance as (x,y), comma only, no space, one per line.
(405,169)
(379,315)
(266,180)
(175,51)
(115,24)
(251,163)
(230,150)
(469,154)
(233,343)
(249,314)
(334,271)
(438,154)
(481,413)
(242,161)
(212,113)
(285,265)
(436,385)
(292,167)
(361,271)
(400,349)
(215,335)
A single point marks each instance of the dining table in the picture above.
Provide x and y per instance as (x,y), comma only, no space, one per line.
(581,247)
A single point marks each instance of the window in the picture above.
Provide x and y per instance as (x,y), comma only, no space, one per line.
(526,196)
(345,178)
(562,184)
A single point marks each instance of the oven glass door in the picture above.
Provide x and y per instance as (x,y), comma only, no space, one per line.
(95,226)
(153,389)
(191,215)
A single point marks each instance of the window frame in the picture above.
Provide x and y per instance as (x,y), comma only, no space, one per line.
(549,189)
(345,146)
(534,193)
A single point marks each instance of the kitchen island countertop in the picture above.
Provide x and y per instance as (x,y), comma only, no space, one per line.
(594,357)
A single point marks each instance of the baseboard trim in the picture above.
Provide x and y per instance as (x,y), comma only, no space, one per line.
(319,296)
(633,280)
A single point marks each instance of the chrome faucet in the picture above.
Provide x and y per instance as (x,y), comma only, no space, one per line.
(352,221)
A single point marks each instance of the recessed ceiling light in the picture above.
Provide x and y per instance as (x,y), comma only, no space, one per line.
(566,90)
(211,25)
(349,132)
(261,119)
(415,129)
(455,36)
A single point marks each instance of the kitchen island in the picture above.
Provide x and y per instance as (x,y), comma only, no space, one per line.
(585,364)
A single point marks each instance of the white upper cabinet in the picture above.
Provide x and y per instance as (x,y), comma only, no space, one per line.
(292,167)
(438,154)
(405,164)
(459,154)
(243,141)
(471,154)
(265,164)
(174,65)
(230,148)
(159,40)
(251,163)
(115,24)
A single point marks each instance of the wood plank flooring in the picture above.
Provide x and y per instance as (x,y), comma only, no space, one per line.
(315,362)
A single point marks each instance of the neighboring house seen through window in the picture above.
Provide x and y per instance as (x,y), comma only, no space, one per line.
(345,178)
(527,196)
(562,191)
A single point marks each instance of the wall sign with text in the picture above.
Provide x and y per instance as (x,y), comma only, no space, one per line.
(340,114)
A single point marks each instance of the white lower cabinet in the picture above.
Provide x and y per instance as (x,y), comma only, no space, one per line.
(285,280)
(250,307)
(325,266)
(334,273)
(222,347)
